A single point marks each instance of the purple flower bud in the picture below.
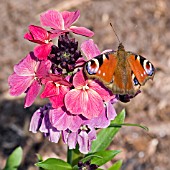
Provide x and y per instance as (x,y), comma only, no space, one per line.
(87,165)
(66,54)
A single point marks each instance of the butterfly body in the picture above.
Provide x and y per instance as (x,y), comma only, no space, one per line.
(120,71)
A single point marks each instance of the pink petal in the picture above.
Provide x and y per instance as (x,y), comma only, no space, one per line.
(75,126)
(80,62)
(90,49)
(54,77)
(35,121)
(72,140)
(42,51)
(44,124)
(50,90)
(65,135)
(38,33)
(92,135)
(32,94)
(26,67)
(52,36)
(111,113)
(105,94)
(57,100)
(83,142)
(81,31)
(62,120)
(99,122)
(88,103)
(94,105)
(72,101)
(70,17)
(43,69)
(19,84)
(58,118)
(28,36)
(78,80)
(59,79)
(54,135)
(58,32)
(64,82)
(53,19)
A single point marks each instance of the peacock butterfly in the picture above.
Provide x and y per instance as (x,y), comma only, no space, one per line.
(120,71)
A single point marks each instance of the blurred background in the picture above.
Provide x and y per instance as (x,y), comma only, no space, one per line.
(143,27)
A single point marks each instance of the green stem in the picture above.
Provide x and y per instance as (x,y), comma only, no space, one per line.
(69,156)
(129,124)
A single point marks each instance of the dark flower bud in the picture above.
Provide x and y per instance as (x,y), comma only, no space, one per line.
(66,54)
(87,165)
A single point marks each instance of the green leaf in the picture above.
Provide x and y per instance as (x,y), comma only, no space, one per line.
(116,166)
(39,157)
(100,158)
(14,160)
(75,167)
(53,164)
(105,136)
(129,124)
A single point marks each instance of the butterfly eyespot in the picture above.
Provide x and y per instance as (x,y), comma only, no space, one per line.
(92,66)
(148,67)
(135,81)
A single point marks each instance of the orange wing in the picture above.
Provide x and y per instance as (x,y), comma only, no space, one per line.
(102,68)
(141,67)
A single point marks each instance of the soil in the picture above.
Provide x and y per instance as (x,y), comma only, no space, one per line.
(143,27)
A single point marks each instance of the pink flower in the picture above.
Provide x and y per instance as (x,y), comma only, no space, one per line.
(55,91)
(40,121)
(84,99)
(61,119)
(86,132)
(110,110)
(90,49)
(61,22)
(75,129)
(104,119)
(27,77)
(42,37)
(84,136)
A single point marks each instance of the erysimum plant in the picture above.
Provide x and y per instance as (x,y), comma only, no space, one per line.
(77,106)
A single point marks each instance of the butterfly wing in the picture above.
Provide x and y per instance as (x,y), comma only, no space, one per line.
(141,68)
(102,67)
(110,70)
(121,72)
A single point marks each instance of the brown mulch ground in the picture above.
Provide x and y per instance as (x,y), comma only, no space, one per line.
(143,27)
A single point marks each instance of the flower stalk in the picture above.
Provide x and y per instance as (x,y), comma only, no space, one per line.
(69,155)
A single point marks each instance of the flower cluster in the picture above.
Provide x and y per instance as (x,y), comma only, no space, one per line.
(77,105)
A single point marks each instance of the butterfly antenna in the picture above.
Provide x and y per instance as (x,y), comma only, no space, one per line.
(115,33)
